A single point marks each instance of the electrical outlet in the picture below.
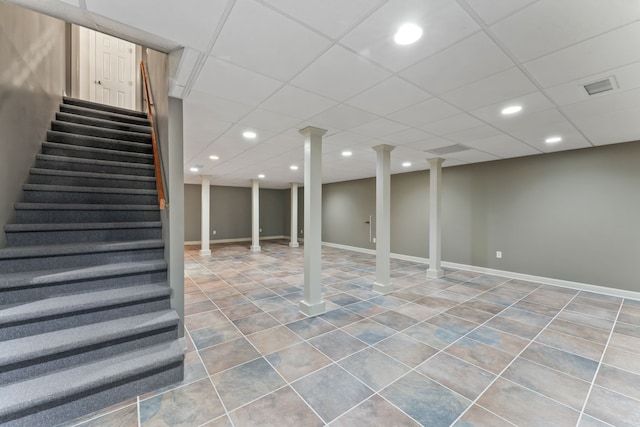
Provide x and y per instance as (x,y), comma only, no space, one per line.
(260,229)
(498,254)
(374,240)
(214,232)
(301,231)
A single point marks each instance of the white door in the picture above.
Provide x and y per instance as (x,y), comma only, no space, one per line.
(114,74)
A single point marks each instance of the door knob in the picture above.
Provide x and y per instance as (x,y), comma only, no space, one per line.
(98,82)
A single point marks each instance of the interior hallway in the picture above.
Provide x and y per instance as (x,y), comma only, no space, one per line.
(465,350)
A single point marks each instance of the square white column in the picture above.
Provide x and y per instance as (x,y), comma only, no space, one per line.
(205,249)
(435,226)
(255,215)
(294,216)
(383,219)
(312,304)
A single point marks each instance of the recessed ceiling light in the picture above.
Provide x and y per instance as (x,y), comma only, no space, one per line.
(406,164)
(214,157)
(194,169)
(512,110)
(346,153)
(407,34)
(249,134)
(553,139)
(293,167)
(261,176)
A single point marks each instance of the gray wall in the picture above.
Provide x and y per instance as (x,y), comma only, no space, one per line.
(32,81)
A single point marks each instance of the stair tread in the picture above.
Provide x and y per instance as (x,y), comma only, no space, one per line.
(78,174)
(35,346)
(77,189)
(85,206)
(102,107)
(80,160)
(76,248)
(75,109)
(99,139)
(99,123)
(81,226)
(23,395)
(96,150)
(120,135)
(78,302)
(41,277)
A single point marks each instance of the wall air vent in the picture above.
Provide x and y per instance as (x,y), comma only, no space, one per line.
(448,149)
(601,86)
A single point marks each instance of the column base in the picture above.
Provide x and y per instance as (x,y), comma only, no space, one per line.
(311,310)
(255,248)
(383,289)
(293,244)
(435,274)
(205,252)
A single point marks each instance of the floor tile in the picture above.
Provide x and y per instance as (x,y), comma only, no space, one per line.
(194,370)
(477,416)
(273,303)
(593,311)
(343,299)
(331,391)
(227,355)
(630,330)
(589,421)
(201,320)
(513,327)
(298,360)
(374,411)
(481,305)
(388,301)
(585,319)
(366,308)
(424,400)
(394,320)
(273,339)
(337,344)
(613,408)
(123,417)
(191,405)
(374,368)
(526,317)
(432,335)
(416,311)
(212,335)
(340,317)
(524,407)
(239,311)
(369,331)
(571,344)
(405,349)
(501,340)
(310,327)
(623,382)
(622,359)
(481,355)
(580,331)
(287,314)
(456,374)
(255,323)
(281,408)
(199,307)
(451,323)
(244,383)
(585,299)
(470,314)
(562,361)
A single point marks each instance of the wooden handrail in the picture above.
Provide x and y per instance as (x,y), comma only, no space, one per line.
(154,143)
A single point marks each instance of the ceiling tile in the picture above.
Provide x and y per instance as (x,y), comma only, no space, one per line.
(503,146)
(216,107)
(339,74)
(443,21)
(388,96)
(531,103)
(607,102)
(494,10)
(295,102)
(407,136)
(228,81)
(191,26)
(451,124)
(469,135)
(342,140)
(259,39)
(427,111)
(471,156)
(611,128)
(430,144)
(536,136)
(263,119)
(331,17)
(599,54)
(379,128)
(559,24)
(539,120)
(342,117)
(465,62)
(498,87)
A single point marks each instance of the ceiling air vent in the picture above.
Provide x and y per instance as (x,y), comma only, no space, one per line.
(601,86)
(448,149)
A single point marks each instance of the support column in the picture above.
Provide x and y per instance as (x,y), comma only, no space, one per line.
(294,215)
(255,215)
(383,219)
(312,304)
(205,250)
(435,226)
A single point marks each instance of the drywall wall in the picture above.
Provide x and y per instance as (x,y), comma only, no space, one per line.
(32,81)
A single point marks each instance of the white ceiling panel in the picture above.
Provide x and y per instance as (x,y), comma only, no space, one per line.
(166,18)
(559,24)
(269,120)
(451,124)
(342,117)
(503,146)
(471,156)
(259,39)
(607,102)
(494,10)
(498,87)
(430,144)
(215,107)
(536,136)
(538,120)
(298,103)
(599,54)
(379,128)
(331,17)
(407,136)
(469,135)
(443,21)
(531,103)
(388,96)
(339,74)
(612,127)
(228,81)
(465,62)
(427,111)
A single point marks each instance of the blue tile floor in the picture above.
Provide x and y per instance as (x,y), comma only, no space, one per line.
(465,350)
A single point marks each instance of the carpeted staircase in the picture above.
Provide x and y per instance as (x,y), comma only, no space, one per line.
(85,317)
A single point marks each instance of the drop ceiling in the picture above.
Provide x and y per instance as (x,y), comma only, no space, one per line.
(276,66)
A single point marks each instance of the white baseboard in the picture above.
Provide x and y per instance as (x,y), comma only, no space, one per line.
(622,293)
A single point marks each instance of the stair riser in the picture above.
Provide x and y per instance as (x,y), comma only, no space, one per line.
(108,144)
(78,181)
(27,238)
(91,121)
(63,216)
(100,132)
(104,108)
(32,368)
(88,167)
(20,295)
(111,155)
(97,114)
(72,320)
(87,402)
(78,260)
(100,198)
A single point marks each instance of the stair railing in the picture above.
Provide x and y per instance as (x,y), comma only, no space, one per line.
(156,149)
